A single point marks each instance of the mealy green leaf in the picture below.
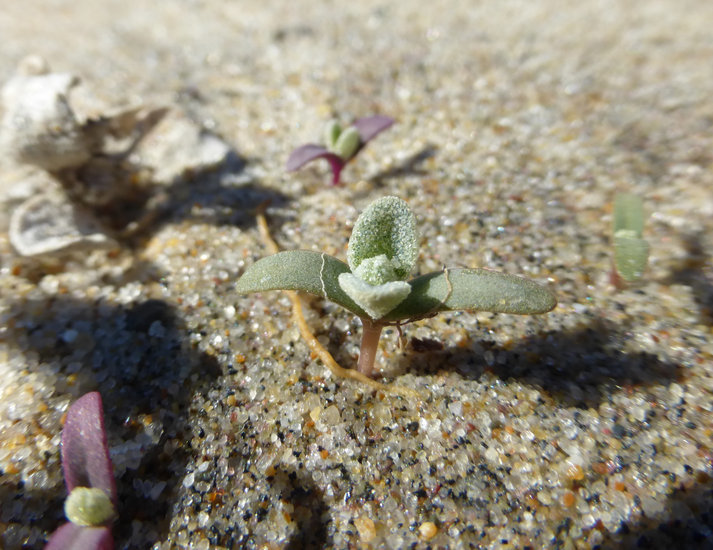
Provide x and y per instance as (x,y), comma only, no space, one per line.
(631,255)
(331,134)
(347,143)
(376,300)
(387,227)
(377,270)
(472,289)
(304,270)
(629,213)
(631,252)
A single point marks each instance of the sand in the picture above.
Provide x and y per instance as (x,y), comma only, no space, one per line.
(517,122)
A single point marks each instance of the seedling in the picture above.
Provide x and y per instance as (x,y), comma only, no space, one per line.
(381,255)
(341,144)
(631,251)
(88,474)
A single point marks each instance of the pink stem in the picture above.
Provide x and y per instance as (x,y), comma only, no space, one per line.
(337,165)
(371,332)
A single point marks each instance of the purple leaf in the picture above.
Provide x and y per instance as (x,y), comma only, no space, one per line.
(85,454)
(369,127)
(304,154)
(307,153)
(76,537)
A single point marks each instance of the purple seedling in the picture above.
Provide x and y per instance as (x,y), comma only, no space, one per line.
(342,145)
(88,474)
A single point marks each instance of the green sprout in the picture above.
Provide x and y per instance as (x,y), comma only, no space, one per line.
(374,283)
(341,145)
(631,251)
(343,142)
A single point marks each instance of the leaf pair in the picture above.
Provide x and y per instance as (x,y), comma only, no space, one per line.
(341,145)
(382,250)
(449,290)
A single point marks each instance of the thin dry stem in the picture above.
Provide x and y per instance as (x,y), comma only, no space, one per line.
(318,349)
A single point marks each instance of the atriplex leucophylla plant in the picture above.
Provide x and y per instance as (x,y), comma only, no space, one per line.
(381,255)
(342,144)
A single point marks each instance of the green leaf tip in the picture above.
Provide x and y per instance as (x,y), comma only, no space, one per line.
(331,134)
(89,506)
(347,143)
(387,227)
(629,213)
(631,251)
(342,142)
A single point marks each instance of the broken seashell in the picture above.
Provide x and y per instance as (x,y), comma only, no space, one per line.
(49,224)
(39,126)
(33,64)
(105,161)
(19,183)
(177,145)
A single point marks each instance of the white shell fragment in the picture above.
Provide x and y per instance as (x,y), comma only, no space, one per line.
(20,183)
(38,126)
(70,155)
(50,224)
(177,145)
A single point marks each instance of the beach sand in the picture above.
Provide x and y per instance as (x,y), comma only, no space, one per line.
(517,122)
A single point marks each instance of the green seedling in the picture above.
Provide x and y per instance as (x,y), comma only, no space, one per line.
(631,251)
(374,284)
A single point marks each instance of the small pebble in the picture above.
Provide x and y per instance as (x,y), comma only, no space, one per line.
(366,529)
(428,530)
